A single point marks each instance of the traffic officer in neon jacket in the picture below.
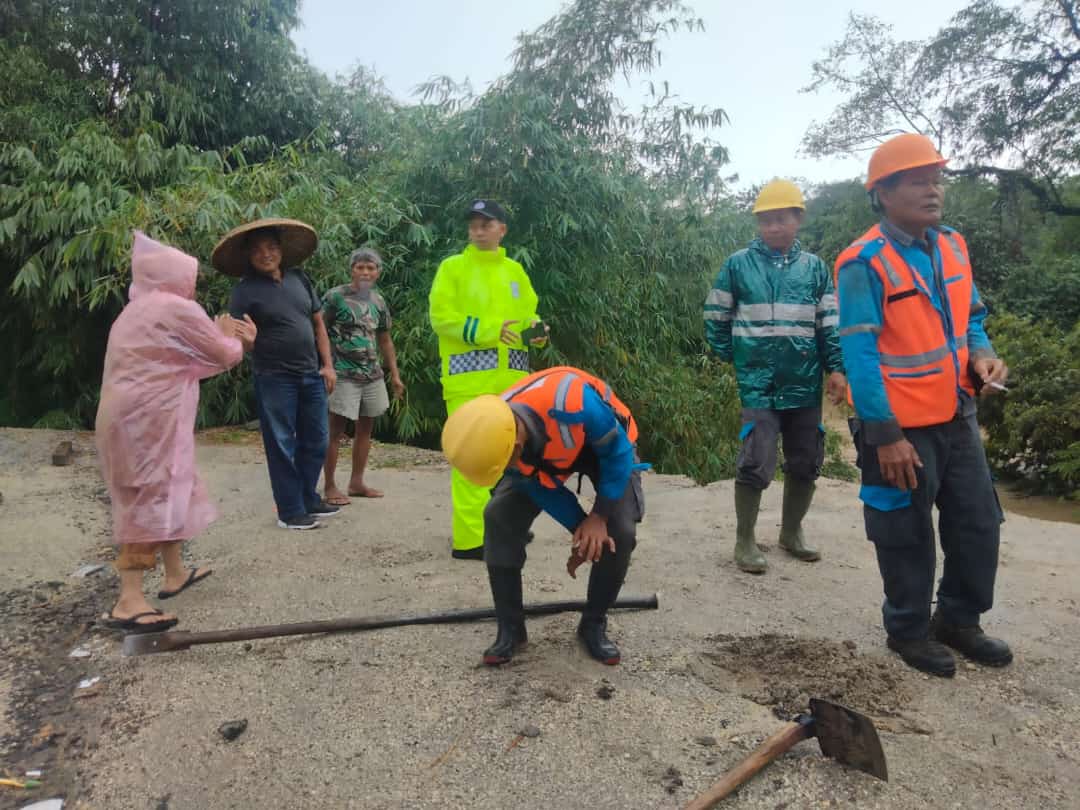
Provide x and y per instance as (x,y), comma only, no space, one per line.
(480,302)
(772,312)
(916,354)
(526,444)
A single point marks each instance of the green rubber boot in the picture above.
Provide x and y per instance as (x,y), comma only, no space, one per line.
(747,554)
(797,497)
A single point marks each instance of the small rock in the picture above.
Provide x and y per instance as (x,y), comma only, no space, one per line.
(557,694)
(712,761)
(672,779)
(803,699)
(705,740)
(232,729)
(247,646)
(851,645)
(87,570)
(79,652)
(530,731)
(605,691)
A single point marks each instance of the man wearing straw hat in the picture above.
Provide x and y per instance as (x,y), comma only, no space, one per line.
(292,364)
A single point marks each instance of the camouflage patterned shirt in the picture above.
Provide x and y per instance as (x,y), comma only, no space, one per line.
(352,323)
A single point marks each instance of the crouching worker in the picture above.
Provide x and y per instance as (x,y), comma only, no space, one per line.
(160,347)
(527,443)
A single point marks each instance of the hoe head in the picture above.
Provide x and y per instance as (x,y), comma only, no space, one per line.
(848,737)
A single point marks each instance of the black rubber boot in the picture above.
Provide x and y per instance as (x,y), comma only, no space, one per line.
(475,553)
(925,655)
(509,615)
(971,642)
(605,582)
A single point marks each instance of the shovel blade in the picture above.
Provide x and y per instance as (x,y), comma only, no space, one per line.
(848,737)
(150,643)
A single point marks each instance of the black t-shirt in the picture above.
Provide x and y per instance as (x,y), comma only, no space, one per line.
(282,313)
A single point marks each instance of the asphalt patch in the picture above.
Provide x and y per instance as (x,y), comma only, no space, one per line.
(51,723)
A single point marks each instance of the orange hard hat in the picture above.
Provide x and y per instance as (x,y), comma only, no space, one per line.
(907,151)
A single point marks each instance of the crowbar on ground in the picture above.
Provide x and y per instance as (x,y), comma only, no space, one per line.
(173,640)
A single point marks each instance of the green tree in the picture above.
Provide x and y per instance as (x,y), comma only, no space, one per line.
(620,216)
(997,88)
(208,72)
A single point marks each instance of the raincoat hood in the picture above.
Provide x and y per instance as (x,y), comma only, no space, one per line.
(159,268)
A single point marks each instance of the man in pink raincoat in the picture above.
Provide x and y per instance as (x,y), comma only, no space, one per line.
(159,348)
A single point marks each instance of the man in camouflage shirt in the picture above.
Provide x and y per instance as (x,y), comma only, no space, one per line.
(358,322)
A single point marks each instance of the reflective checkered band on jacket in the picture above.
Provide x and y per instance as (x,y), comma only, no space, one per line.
(480,360)
(519,360)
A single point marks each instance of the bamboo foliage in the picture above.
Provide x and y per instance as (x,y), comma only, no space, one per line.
(620,217)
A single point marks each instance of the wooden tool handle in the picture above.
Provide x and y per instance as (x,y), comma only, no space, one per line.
(765,753)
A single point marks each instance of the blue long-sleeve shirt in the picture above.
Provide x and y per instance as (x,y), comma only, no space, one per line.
(861,297)
(607,438)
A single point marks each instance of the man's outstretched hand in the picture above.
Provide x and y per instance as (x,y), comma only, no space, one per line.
(590,539)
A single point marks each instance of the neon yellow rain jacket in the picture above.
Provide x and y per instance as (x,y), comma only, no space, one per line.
(473,293)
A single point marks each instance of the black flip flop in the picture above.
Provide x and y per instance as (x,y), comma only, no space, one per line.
(133,625)
(191,580)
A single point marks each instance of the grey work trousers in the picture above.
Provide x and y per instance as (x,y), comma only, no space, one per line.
(804,445)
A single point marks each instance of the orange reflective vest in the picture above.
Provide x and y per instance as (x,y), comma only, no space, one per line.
(556,396)
(922,365)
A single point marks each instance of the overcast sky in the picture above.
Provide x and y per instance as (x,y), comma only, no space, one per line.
(751,60)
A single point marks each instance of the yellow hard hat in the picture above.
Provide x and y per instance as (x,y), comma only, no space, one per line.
(478,439)
(779,194)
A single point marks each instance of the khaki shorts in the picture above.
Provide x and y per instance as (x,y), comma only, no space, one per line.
(352,399)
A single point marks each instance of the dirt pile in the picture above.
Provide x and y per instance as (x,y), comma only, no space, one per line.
(784,672)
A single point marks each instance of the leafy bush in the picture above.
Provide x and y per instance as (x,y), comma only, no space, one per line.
(1047,288)
(1034,429)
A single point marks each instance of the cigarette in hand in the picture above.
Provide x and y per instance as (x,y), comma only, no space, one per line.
(997,385)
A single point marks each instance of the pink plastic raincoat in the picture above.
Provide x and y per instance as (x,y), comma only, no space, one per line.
(159,348)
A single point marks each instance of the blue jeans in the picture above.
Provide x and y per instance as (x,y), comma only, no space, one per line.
(293,417)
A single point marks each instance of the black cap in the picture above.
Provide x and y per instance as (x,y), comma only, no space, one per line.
(489,209)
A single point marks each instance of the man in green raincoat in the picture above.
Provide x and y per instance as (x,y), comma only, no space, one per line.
(772,312)
(481,302)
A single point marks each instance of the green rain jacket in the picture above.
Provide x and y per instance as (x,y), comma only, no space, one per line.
(775,318)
